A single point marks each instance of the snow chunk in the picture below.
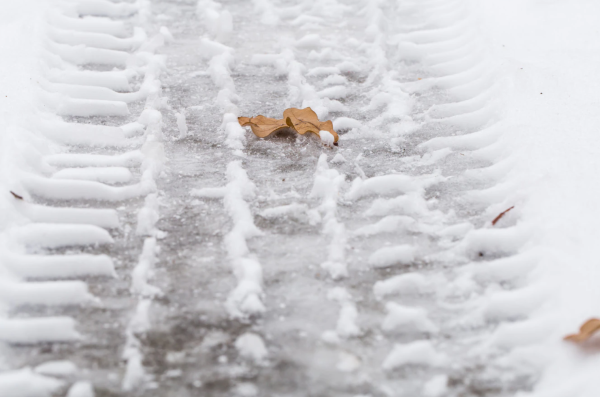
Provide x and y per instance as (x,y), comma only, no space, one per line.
(407,317)
(411,203)
(327,138)
(323,71)
(334,92)
(335,79)
(346,123)
(166,33)
(346,324)
(436,386)
(99,174)
(347,362)
(210,49)
(181,124)
(390,256)
(246,389)
(408,283)
(294,210)
(147,217)
(348,66)
(57,368)
(416,353)
(386,225)
(382,185)
(309,41)
(25,383)
(81,389)
(251,346)
(338,159)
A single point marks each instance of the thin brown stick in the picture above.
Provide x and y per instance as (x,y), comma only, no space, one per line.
(501,215)
(16,195)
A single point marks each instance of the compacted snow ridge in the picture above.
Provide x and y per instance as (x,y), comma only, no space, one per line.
(151,246)
(246,299)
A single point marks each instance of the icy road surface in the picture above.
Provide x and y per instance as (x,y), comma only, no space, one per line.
(153,247)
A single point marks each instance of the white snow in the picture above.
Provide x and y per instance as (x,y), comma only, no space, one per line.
(181,124)
(386,224)
(402,319)
(57,368)
(60,329)
(420,352)
(521,99)
(393,256)
(81,389)
(407,283)
(25,383)
(327,184)
(251,346)
(326,137)
(346,325)
(436,386)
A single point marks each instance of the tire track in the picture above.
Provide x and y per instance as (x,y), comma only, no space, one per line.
(61,234)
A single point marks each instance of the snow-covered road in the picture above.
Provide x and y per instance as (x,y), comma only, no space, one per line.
(150,245)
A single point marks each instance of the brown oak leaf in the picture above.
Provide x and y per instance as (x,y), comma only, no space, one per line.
(263,126)
(300,120)
(589,328)
(306,120)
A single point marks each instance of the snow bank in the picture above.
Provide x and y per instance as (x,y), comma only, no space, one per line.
(526,99)
(550,59)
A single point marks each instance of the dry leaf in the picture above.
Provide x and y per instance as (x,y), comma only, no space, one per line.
(263,126)
(300,120)
(589,328)
(496,219)
(306,120)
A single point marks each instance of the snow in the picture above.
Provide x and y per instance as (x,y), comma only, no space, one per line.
(327,138)
(392,256)
(420,352)
(59,329)
(407,283)
(81,389)
(548,56)
(346,325)
(56,368)
(251,346)
(436,386)
(25,383)
(327,184)
(388,224)
(402,318)
(448,114)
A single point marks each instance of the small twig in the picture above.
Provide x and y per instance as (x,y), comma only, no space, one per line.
(501,215)
(15,195)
